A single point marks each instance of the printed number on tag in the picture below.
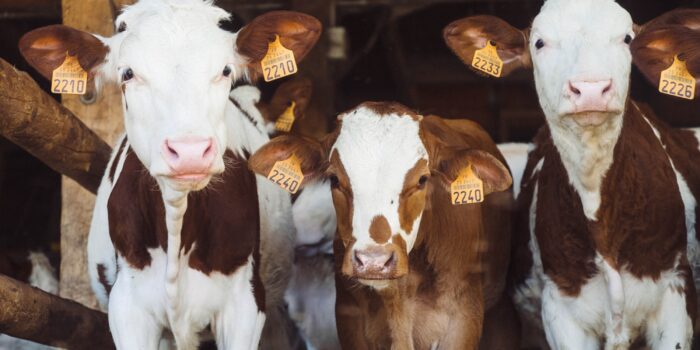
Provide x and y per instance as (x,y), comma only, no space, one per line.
(285,122)
(467,188)
(287,174)
(677,81)
(487,60)
(69,77)
(279,61)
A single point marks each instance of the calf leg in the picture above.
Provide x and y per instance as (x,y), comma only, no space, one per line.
(239,325)
(671,327)
(562,330)
(132,326)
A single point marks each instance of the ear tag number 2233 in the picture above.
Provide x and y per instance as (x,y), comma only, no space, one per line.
(467,188)
(677,81)
(69,77)
(487,60)
(279,61)
(287,174)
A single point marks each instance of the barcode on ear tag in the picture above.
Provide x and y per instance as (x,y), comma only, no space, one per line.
(467,188)
(285,122)
(287,174)
(487,60)
(279,61)
(69,77)
(677,81)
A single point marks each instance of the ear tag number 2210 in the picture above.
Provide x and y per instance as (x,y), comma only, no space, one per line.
(467,188)
(69,77)
(487,60)
(279,61)
(677,81)
(287,174)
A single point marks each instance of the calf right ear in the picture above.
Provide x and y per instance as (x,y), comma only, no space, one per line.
(309,152)
(467,35)
(297,90)
(45,49)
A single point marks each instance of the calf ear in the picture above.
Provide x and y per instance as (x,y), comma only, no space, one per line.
(297,90)
(45,48)
(297,32)
(494,175)
(467,35)
(308,151)
(688,18)
(654,49)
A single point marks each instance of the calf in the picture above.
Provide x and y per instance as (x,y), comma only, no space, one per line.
(608,200)
(163,253)
(406,259)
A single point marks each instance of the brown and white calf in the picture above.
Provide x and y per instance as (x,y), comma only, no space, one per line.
(407,260)
(609,196)
(183,235)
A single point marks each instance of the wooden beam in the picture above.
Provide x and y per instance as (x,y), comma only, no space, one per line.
(104,116)
(32,314)
(33,120)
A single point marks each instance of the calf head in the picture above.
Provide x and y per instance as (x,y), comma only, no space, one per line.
(175,67)
(383,162)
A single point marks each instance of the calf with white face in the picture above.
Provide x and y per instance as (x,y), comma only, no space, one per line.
(406,259)
(162,254)
(608,200)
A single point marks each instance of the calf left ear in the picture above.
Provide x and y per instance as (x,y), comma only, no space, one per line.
(494,175)
(297,32)
(676,33)
(309,152)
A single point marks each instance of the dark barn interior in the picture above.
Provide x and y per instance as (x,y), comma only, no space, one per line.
(383,50)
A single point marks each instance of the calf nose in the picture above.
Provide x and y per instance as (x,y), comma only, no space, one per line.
(376,262)
(591,96)
(190,155)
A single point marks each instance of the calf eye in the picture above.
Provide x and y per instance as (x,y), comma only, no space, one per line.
(539,44)
(334,181)
(127,75)
(628,39)
(422,181)
(227,71)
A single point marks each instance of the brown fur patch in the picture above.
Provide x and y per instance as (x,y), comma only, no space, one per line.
(342,199)
(379,229)
(102,277)
(412,199)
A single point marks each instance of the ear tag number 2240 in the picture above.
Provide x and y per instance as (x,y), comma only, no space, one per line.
(467,188)
(69,77)
(287,174)
(677,81)
(279,61)
(487,60)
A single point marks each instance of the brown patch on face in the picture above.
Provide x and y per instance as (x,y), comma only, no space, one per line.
(113,168)
(342,199)
(401,255)
(412,199)
(102,277)
(379,229)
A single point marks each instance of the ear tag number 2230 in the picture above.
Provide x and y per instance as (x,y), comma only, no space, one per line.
(69,77)
(279,61)
(287,174)
(467,188)
(677,81)
(487,60)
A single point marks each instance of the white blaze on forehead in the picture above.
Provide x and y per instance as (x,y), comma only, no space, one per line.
(584,41)
(377,151)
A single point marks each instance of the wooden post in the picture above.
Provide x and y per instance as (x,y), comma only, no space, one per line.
(104,116)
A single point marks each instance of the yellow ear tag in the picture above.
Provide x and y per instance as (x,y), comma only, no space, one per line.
(486,60)
(285,122)
(69,77)
(677,81)
(467,188)
(279,61)
(287,174)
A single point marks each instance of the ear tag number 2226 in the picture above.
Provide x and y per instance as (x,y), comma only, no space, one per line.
(677,81)
(287,174)
(69,77)
(467,188)
(279,61)
(487,60)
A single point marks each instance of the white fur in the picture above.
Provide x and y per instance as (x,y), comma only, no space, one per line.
(516,157)
(377,152)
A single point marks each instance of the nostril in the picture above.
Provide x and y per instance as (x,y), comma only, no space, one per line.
(607,88)
(390,262)
(573,89)
(171,150)
(358,260)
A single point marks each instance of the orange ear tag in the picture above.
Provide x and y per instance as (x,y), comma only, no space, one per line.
(279,61)
(69,77)
(487,60)
(467,188)
(285,122)
(677,80)
(287,174)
